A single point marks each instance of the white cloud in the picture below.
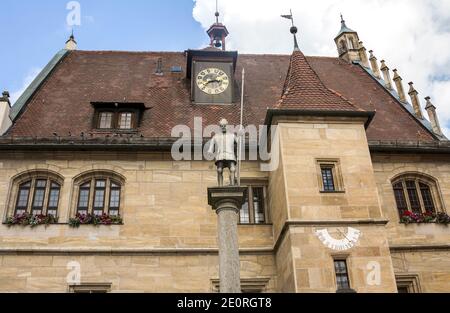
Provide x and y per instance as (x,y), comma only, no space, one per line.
(31,75)
(413,36)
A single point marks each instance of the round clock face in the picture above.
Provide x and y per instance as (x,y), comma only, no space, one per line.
(213,81)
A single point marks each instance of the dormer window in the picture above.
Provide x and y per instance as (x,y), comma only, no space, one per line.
(118,117)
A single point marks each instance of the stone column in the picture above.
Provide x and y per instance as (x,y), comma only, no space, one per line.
(227,202)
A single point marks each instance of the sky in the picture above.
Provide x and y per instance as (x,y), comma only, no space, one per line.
(411,35)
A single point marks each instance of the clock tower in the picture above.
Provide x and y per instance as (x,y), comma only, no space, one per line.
(211,70)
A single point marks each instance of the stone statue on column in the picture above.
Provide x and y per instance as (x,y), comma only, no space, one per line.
(227,201)
(223,148)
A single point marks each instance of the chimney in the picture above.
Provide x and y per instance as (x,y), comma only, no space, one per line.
(431,109)
(71,44)
(415,100)
(5,108)
(374,64)
(363,55)
(386,75)
(399,84)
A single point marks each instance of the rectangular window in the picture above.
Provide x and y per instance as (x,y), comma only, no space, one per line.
(413,196)
(245,213)
(258,205)
(330,178)
(342,278)
(126,120)
(38,198)
(400,198)
(254,210)
(106,120)
(90,288)
(23,198)
(99,197)
(408,283)
(427,197)
(83,199)
(114,200)
(327,178)
(53,200)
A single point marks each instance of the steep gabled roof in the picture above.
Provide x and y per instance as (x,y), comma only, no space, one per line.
(62,102)
(303,90)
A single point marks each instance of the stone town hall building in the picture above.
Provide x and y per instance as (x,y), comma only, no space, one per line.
(359,200)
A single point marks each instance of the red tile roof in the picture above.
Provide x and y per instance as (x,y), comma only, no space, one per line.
(305,91)
(62,105)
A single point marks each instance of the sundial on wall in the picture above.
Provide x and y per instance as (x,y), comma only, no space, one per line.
(339,238)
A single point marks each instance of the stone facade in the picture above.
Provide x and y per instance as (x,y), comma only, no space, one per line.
(168,242)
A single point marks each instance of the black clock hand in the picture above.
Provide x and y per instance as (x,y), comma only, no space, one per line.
(345,235)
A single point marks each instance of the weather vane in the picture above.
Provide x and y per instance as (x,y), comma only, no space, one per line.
(289,17)
(294,29)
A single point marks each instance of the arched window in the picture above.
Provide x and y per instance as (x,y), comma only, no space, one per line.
(36,193)
(342,46)
(352,43)
(416,193)
(98,194)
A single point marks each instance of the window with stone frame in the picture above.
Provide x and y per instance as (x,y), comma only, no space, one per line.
(99,193)
(35,193)
(408,283)
(341,272)
(416,193)
(90,288)
(330,177)
(248,285)
(255,209)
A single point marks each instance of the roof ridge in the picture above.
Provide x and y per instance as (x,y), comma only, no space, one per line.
(182,52)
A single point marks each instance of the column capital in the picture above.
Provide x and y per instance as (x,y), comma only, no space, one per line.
(222,198)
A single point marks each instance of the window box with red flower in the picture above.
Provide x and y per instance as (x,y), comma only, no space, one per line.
(96,220)
(408,217)
(26,219)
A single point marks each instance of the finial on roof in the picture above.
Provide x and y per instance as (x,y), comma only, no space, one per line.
(71,44)
(217,12)
(5,98)
(344,28)
(294,30)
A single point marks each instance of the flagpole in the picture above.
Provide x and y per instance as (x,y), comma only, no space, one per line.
(241,128)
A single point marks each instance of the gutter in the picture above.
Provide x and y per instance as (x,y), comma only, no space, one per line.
(424,123)
(436,147)
(271,113)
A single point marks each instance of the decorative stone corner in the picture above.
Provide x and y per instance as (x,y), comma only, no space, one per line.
(227,201)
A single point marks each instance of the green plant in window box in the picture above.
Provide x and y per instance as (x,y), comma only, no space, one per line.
(443,218)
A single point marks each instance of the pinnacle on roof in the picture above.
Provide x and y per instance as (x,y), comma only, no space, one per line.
(344,28)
